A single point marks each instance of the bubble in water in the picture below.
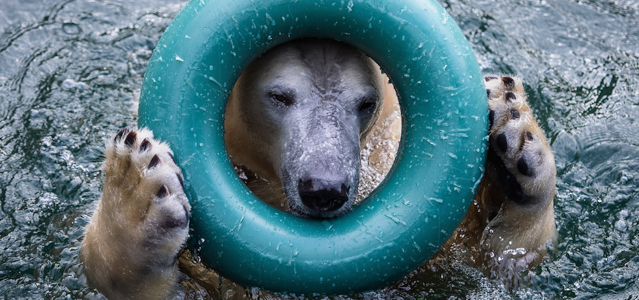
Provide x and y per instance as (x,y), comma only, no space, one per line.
(71,28)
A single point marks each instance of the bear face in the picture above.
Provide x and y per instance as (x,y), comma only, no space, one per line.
(296,117)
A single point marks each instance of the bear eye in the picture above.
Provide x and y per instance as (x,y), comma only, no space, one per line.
(367,105)
(283,99)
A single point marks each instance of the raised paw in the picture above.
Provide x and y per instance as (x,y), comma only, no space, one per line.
(518,148)
(142,219)
(141,173)
(510,224)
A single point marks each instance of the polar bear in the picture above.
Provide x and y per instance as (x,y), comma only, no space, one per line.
(295,122)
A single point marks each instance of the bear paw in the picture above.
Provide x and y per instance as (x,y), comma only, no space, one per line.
(518,147)
(145,185)
(133,239)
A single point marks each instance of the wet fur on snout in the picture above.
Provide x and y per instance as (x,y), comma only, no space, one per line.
(299,113)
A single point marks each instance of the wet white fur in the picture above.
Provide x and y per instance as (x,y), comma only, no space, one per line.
(127,253)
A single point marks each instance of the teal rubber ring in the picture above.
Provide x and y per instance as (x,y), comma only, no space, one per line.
(415,210)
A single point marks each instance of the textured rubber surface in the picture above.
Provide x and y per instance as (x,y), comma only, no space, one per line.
(411,214)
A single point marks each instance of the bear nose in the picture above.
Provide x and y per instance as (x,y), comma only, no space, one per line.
(323,195)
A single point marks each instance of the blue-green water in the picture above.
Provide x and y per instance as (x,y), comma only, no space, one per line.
(71,71)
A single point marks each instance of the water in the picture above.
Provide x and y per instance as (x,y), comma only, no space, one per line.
(71,71)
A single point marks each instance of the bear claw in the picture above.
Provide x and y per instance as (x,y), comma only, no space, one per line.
(154,161)
(130,139)
(146,145)
(509,82)
(120,134)
(489,78)
(509,96)
(162,192)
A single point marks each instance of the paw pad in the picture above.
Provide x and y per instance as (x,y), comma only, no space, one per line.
(514,114)
(523,168)
(502,142)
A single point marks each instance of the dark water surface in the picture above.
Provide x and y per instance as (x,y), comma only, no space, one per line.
(71,71)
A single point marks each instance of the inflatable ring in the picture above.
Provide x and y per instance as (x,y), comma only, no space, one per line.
(415,210)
